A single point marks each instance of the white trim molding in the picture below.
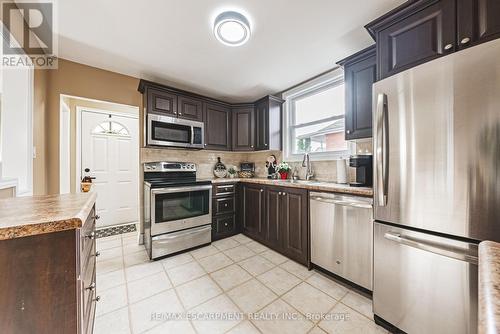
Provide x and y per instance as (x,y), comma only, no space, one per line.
(332,78)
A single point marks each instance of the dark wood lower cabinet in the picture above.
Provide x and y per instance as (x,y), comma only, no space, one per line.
(295,216)
(252,211)
(47,282)
(224,211)
(278,218)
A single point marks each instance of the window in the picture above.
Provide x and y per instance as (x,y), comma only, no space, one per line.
(315,118)
(110,128)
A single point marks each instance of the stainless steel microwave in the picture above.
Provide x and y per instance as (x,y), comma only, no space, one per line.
(174,132)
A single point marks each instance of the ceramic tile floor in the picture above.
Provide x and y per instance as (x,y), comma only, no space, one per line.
(235,285)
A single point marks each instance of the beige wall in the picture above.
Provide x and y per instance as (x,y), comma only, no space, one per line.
(75,80)
(39,132)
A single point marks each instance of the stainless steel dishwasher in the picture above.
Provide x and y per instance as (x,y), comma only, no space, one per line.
(342,236)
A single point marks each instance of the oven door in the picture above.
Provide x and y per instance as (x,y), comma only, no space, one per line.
(171,131)
(179,208)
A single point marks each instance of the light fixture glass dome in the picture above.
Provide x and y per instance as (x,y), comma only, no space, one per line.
(232,28)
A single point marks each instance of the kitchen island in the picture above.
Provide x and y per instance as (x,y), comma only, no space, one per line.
(47,256)
(489,287)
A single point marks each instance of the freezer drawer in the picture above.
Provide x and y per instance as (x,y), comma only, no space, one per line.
(424,283)
(341,236)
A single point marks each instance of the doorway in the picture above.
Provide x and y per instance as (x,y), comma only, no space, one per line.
(102,142)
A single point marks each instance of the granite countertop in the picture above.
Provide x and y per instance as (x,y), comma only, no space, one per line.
(27,216)
(310,185)
(489,287)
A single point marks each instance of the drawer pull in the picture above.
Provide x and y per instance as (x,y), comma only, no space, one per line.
(97,217)
(91,286)
(225,204)
(225,224)
(91,235)
(97,254)
(98,298)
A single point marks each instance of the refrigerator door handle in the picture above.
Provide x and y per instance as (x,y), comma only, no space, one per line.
(436,248)
(382,149)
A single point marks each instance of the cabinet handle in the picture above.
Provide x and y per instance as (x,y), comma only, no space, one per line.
(261,190)
(284,194)
(348,131)
(265,144)
(97,217)
(97,254)
(225,224)
(465,40)
(225,204)
(98,298)
(91,286)
(175,112)
(279,193)
(180,114)
(90,236)
(251,146)
(205,144)
(448,46)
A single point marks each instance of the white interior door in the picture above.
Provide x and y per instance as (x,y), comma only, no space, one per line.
(110,149)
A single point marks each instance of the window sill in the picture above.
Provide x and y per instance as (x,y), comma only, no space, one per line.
(324,156)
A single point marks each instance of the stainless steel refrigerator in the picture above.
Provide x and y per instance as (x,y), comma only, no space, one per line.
(436,189)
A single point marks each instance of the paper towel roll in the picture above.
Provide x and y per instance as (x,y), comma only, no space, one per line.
(342,171)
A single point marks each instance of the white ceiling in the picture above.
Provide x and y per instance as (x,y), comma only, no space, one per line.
(171,41)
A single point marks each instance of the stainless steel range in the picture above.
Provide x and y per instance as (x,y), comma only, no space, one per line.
(177,208)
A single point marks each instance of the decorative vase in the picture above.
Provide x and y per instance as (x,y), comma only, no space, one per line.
(284,175)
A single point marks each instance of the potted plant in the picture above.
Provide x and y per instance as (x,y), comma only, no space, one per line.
(284,168)
(232,172)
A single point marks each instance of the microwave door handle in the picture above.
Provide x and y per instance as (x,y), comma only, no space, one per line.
(382,154)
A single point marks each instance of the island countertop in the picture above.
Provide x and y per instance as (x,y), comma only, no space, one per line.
(489,287)
(310,185)
(27,216)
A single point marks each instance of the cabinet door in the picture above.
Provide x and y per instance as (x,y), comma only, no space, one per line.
(478,21)
(359,78)
(294,224)
(159,101)
(418,38)
(223,226)
(217,127)
(189,108)
(273,217)
(252,200)
(243,129)
(262,126)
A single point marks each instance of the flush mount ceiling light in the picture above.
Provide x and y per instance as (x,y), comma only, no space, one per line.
(232,28)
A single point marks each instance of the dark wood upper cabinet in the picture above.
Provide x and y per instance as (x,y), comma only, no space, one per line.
(243,128)
(162,102)
(360,74)
(412,34)
(478,21)
(190,108)
(268,113)
(252,205)
(422,30)
(294,223)
(217,120)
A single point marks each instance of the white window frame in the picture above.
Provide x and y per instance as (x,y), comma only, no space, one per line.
(330,79)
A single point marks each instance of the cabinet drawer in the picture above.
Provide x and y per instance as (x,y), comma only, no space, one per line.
(87,237)
(223,226)
(224,189)
(88,278)
(224,205)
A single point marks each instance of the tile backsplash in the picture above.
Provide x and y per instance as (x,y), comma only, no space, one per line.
(325,170)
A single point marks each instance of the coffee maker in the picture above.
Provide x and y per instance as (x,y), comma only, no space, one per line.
(363,165)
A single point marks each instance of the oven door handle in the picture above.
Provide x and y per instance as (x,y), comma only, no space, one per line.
(179,189)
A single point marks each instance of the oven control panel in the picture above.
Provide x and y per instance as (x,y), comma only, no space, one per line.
(164,166)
